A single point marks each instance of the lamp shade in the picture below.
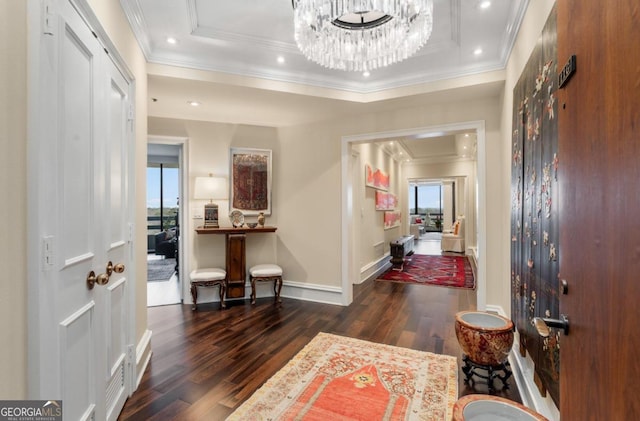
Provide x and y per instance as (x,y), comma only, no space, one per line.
(210,188)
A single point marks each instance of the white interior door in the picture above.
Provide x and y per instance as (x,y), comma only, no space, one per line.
(116,238)
(81,195)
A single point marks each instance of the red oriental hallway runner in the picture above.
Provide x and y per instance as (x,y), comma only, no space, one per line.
(447,271)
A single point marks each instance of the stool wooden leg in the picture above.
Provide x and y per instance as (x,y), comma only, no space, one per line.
(253,289)
(194,296)
(277,287)
(222,290)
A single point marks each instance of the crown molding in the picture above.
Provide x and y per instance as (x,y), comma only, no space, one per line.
(133,12)
(516,17)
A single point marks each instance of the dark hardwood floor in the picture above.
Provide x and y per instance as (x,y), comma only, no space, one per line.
(206,363)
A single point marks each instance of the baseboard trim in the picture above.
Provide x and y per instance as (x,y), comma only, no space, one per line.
(473,252)
(290,289)
(375,268)
(143,356)
(312,292)
(522,368)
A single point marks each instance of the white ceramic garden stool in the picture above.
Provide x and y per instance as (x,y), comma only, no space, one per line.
(266,273)
(208,277)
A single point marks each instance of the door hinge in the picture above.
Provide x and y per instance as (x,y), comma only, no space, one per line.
(132,368)
(132,355)
(48,17)
(131,113)
(48,254)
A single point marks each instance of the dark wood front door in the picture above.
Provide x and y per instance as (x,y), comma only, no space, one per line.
(599,150)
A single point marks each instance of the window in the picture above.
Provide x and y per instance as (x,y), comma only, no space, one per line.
(162,197)
(425,198)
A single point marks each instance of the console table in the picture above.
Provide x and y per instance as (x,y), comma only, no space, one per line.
(236,265)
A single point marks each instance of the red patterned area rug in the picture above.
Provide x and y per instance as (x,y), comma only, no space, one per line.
(446,271)
(339,378)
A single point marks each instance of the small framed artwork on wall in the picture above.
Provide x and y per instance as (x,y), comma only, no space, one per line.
(377,178)
(385,201)
(392,219)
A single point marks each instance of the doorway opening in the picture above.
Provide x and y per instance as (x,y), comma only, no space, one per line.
(164,175)
(469,196)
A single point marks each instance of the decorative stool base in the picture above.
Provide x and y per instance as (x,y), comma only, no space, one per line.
(492,371)
(266,273)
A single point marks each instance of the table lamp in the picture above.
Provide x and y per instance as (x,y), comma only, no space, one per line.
(210,188)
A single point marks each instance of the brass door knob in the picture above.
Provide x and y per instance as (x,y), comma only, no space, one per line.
(102,279)
(118,268)
(92,279)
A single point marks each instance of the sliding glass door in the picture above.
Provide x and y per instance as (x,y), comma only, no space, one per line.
(162,201)
(426,200)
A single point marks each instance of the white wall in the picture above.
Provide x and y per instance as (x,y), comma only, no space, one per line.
(209,145)
(307,179)
(322,141)
(13,162)
(373,238)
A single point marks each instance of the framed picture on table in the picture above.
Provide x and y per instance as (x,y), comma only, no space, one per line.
(250,181)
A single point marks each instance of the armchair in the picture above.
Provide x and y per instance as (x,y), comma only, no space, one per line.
(416,226)
(166,243)
(454,240)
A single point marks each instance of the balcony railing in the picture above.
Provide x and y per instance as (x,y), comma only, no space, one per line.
(154,226)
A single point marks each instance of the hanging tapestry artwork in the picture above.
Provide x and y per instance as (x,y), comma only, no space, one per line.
(251,180)
(534,212)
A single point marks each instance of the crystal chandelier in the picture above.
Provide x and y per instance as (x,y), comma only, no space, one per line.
(360,35)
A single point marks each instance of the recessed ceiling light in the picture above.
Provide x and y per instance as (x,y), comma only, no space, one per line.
(485,4)
(172,40)
(477,51)
(280,59)
(194,103)
(464,147)
(466,135)
(366,73)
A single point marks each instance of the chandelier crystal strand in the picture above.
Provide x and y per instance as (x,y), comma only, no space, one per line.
(358,35)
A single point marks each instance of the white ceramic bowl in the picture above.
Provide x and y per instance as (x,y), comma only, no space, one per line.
(492,408)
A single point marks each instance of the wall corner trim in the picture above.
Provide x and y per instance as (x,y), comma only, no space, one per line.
(375,268)
(143,356)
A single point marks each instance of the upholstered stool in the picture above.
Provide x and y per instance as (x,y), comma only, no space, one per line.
(208,277)
(265,273)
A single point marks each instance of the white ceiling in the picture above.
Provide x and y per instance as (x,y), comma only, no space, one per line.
(245,37)
(227,51)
